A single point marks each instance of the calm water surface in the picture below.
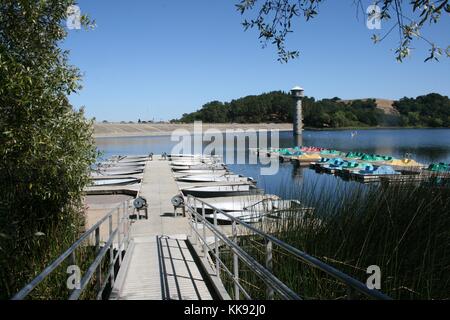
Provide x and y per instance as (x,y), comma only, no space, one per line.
(425,145)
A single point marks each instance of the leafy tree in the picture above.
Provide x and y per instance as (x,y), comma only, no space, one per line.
(339,120)
(46,147)
(432,110)
(214,111)
(274,21)
(277,106)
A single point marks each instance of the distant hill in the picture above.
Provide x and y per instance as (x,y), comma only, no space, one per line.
(385,105)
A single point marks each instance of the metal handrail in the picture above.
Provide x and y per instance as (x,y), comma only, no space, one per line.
(268,277)
(268,199)
(264,272)
(225,268)
(122,211)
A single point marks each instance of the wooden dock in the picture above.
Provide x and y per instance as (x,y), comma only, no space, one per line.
(160,264)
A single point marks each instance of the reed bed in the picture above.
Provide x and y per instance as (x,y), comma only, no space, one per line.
(403,229)
(33,258)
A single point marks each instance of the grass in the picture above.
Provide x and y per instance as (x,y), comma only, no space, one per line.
(403,229)
(41,251)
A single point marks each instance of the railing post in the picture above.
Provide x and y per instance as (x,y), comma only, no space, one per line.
(191,223)
(350,293)
(111,251)
(195,221)
(72,262)
(269,265)
(216,246)
(99,267)
(72,259)
(205,249)
(124,220)
(126,225)
(235,264)
(119,233)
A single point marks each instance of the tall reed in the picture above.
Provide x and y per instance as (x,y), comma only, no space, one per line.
(403,229)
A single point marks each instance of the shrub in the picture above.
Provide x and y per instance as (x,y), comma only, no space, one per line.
(46,147)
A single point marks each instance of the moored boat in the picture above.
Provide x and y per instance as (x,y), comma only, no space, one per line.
(201,171)
(114,173)
(221,191)
(114,182)
(212,178)
(199,167)
(250,208)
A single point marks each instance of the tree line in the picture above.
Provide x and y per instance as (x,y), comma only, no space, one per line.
(432,110)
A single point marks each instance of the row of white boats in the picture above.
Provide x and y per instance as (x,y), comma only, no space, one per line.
(204,177)
(119,171)
(208,179)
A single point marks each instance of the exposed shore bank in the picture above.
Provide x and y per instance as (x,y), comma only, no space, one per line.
(117,130)
(110,130)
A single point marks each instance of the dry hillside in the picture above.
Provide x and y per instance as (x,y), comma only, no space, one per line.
(383,104)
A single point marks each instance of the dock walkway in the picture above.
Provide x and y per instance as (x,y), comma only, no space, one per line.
(159,264)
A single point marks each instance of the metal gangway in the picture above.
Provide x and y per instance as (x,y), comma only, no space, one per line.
(110,252)
(208,239)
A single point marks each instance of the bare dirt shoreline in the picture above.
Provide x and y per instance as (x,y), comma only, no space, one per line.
(109,130)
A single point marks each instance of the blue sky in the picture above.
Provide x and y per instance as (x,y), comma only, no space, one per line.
(159,59)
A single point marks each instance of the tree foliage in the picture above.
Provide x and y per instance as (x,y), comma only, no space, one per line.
(432,110)
(274,20)
(46,147)
(277,106)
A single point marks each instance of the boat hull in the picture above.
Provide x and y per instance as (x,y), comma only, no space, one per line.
(222,191)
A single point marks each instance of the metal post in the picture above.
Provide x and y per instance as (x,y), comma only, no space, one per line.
(119,234)
(191,223)
(111,252)
(99,268)
(195,221)
(72,259)
(269,265)
(235,264)
(205,249)
(72,262)
(350,293)
(125,225)
(216,246)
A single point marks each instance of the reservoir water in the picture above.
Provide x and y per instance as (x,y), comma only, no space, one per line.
(424,145)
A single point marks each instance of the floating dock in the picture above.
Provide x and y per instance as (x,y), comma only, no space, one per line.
(164,260)
(161,264)
(412,173)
